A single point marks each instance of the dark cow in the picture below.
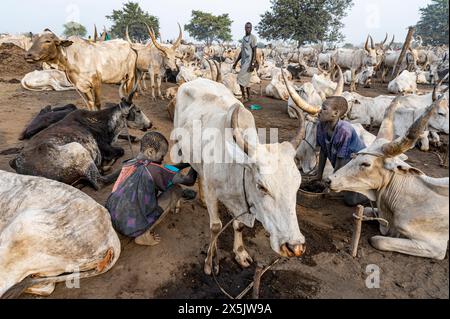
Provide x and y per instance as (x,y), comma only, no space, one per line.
(73,149)
(46,117)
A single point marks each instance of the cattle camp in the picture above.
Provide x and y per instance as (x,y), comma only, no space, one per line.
(284,149)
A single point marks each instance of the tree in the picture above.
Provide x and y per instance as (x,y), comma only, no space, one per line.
(304,21)
(433,23)
(74,29)
(207,27)
(131,14)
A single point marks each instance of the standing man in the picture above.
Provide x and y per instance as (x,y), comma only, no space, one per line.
(248,59)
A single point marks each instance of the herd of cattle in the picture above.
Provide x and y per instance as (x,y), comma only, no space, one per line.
(66,146)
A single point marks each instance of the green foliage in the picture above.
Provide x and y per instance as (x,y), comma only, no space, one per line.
(304,21)
(74,29)
(131,14)
(207,27)
(433,24)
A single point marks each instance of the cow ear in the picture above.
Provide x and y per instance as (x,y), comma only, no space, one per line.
(398,166)
(65,43)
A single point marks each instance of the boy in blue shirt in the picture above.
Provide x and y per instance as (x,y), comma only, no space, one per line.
(338,140)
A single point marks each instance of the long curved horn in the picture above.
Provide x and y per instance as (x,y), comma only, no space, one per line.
(302,104)
(387,126)
(300,136)
(127,35)
(135,87)
(340,85)
(122,90)
(401,145)
(437,86)
(366,46)
(372,45)
(210,69)
(219,72)
(240,141)
(384,41)
(392,42)
(152,36)
(95,33)
(180,37)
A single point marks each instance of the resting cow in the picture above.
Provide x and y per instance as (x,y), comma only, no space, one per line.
(46,80)
(414,205)
(45,118)
(50,232)
(73,149)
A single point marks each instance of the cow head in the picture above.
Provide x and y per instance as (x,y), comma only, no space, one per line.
(439,120)
(169,54)
(271,181)
(134,116)
(371,169)
(46,48)
(371,57)
(365,77)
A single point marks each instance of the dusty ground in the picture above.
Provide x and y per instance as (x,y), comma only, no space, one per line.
(174,269)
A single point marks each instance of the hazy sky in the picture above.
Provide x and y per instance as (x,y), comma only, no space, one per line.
(366,16)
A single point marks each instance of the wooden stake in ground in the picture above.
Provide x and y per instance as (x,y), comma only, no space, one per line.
(405,48)
(256,282)
(357,231)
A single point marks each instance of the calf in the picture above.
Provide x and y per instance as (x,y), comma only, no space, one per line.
(73,149)
(46,117)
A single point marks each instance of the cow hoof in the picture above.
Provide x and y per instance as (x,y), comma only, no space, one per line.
(243,259)
(208,269)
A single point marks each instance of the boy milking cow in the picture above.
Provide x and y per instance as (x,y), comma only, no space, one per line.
(146,191)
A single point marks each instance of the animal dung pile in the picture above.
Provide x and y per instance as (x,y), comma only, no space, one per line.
(13,64)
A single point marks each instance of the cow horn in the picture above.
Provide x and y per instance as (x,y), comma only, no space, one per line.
(152,36)
(127,34)
(240,141)
(300,136)
(319,67)
(340,85)
(437,86)
(405,143)
(387,126)
(305,106)
(372,45)
(366,46)
(135,87)
(384,41)
(392,42)
(210,68)
(95,33)
(180,37)
(122,90)
(219,72)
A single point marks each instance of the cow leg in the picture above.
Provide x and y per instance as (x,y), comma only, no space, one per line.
(93,176)
(242,256)
(353,84)
(424,142)
(97,100)
(215,224)
(158,87)
(110,153)
(152,85)
(412,247)
(201,197)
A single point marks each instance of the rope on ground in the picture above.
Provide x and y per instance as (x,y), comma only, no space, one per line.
(250,286)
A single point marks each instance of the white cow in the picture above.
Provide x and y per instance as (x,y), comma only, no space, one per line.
(217,136)
(414,205)
(405,83)
(46,80)
(48,231)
